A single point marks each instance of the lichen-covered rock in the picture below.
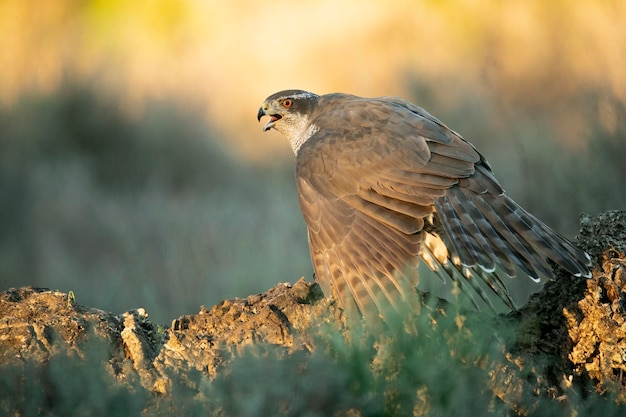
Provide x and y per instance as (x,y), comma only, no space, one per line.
(37,323)
(597,326)
(598,329)
(283,316)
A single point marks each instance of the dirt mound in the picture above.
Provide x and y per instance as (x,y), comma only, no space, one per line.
(574,327)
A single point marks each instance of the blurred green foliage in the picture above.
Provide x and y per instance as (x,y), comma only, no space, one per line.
(68,385)
(138,211)
(152,210)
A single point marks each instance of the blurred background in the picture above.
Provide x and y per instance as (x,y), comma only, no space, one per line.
(134,173)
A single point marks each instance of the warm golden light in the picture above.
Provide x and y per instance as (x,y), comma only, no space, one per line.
(228,56)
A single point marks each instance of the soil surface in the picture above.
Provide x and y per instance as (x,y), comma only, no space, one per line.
(576,325)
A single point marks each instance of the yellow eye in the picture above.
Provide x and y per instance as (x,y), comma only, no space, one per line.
(287,103)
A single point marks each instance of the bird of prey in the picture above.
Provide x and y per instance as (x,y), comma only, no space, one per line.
(382,184)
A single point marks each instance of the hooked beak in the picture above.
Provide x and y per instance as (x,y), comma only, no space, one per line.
(273,118)
(260,114)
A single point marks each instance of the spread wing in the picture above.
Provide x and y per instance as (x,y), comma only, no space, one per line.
(366,191)
(383,182)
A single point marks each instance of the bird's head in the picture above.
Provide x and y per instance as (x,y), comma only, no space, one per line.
(289,113)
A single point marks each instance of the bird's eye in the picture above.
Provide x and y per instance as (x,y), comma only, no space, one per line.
(287,103)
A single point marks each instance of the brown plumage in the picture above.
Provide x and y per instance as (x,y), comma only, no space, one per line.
(382,183)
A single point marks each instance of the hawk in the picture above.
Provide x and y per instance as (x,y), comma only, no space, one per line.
(382,184)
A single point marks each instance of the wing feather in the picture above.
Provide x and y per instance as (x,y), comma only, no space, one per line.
(378,175)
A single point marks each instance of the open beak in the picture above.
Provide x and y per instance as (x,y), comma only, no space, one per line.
(273,119)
